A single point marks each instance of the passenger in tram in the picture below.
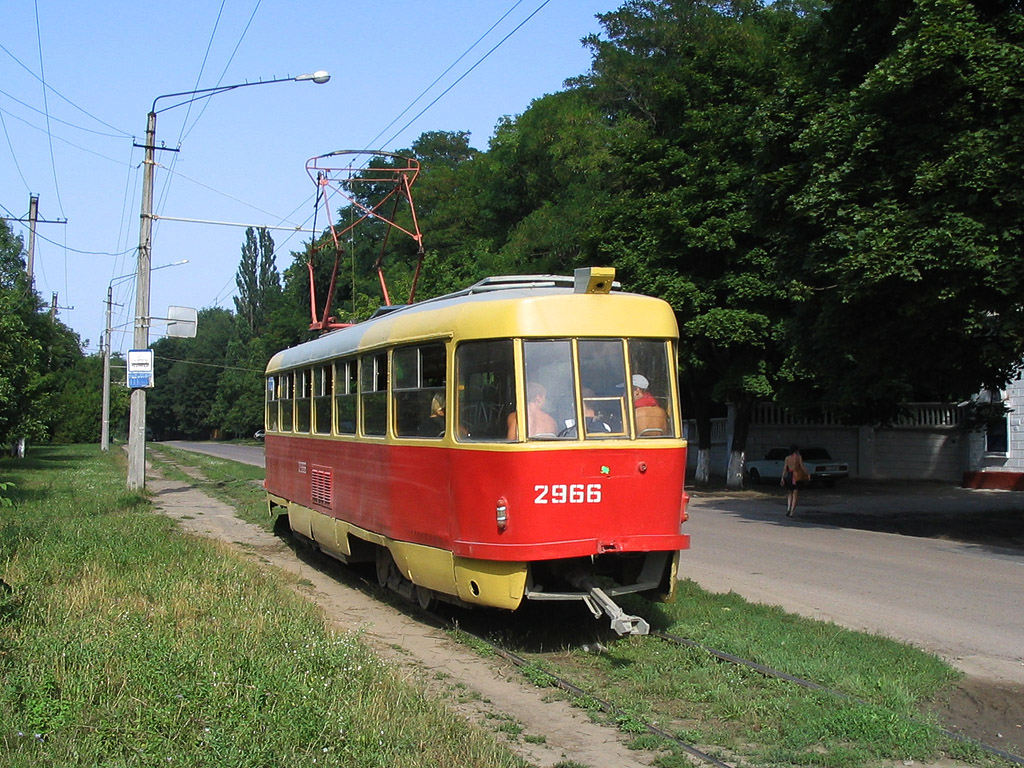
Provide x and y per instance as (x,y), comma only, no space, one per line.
(434,425)
(539,422)
(595,424)
(651,418)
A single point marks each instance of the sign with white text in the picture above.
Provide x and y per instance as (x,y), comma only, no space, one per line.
(140,368)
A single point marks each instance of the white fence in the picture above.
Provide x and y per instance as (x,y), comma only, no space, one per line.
(926,443)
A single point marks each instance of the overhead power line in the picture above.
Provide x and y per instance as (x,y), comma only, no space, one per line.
(57,93)
(447,70)
(58,120)
(466,73)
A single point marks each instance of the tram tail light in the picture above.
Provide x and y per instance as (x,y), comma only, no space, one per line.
(501,513)
(683,514)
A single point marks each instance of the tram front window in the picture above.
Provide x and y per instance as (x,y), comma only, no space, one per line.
(651,388)
(603,385)
(550,391)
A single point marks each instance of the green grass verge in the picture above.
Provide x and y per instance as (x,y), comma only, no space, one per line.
(761,720)
(123,643)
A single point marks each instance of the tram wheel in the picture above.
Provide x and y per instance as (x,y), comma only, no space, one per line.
(385,565)
(425,598)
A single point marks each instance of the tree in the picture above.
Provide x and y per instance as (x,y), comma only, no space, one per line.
(35,352)
(907,264)
(186,373)
(685,80)
(257,280)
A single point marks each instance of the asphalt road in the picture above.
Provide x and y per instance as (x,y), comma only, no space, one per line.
(960,600)
(244,454)
(953,587)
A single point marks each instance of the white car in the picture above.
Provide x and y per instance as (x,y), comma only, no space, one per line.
(819,463)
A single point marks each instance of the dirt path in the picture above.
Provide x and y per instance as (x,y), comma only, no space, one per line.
(484,691)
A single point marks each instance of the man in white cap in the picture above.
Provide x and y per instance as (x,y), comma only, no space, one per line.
(642,397)
(651,418)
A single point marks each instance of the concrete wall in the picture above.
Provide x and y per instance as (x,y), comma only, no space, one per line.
(920,454)
(929,446)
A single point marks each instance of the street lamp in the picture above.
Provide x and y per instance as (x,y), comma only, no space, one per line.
(105,423)
(137,414)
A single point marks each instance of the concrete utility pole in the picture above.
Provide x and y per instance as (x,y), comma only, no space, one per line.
(137,417)
(33,218)
(137,424)
(105,423)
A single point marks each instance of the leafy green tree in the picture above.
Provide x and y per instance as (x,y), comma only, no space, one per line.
(19,351)
(907,264)
(77,405)
(685,80)
(35,352)
(240,388)
(186,373)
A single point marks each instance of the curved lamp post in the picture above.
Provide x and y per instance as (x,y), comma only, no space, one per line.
(137,416)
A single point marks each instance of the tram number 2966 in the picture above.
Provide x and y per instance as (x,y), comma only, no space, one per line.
(577,493)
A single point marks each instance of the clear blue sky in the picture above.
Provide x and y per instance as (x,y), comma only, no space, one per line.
(243,153)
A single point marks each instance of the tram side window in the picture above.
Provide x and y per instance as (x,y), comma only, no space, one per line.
(272,404)
(322,386)
(303,399)
(287,394)
(419,395)
(550,390)
(346,389)
(373,390)
(485,395)
(603,385)
(651,387)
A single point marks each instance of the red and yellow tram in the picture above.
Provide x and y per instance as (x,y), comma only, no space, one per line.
(516,440)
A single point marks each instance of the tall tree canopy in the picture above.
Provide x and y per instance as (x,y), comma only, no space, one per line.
(908,258)
(257,280)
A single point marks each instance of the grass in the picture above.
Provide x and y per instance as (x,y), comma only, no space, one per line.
(123,643)
(732,710)
(760,720)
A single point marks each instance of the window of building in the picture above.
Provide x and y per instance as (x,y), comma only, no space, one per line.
(997,430)
(419,393)
(373,391)
(345,393)
(485,396)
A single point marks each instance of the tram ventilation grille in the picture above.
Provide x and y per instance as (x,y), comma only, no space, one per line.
(322,486)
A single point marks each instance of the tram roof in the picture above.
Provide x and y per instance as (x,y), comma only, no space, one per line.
(538,306)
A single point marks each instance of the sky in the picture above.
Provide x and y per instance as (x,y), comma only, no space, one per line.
(78,79)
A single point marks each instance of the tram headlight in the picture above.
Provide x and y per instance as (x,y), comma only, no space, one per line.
(501,513)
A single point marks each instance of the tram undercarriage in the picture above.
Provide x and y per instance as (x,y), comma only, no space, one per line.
(427,574)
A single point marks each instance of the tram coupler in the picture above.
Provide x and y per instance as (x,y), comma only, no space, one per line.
(624,624)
